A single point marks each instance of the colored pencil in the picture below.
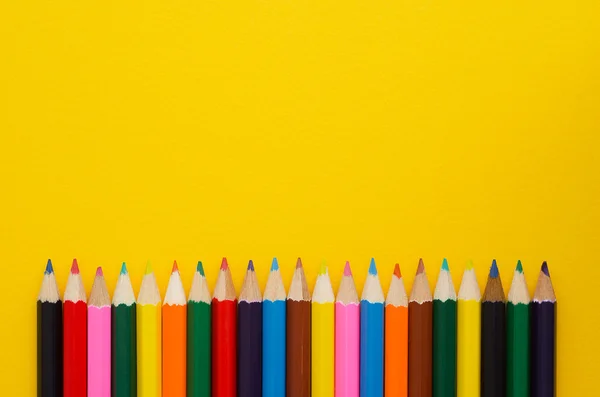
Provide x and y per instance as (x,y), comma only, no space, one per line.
(273,381)
(174,326)
(149,348)
(250,337)
(493,337)
(224,340)
(543,337)
(347,337)
(75,336)
(517,336)
(298,336)
(198,337)
(371,335)
(469,337)
(420,336)
(322,336)
(49,337)
(98,339)
(444,335)
(124,349)
(396,337)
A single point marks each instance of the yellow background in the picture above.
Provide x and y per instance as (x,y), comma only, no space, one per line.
(194,129)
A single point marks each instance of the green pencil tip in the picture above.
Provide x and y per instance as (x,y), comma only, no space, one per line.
(445,265)
(123,268)
(200,268)
(519,266)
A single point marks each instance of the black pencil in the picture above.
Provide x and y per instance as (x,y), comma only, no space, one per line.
(543,337)
(49,337)
(250,337)
(493,343)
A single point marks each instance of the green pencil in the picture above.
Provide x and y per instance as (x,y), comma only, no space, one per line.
(444,335)
(124,356)
(198,337)
(517,336)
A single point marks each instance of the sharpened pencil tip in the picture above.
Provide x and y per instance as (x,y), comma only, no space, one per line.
(99,271)
(469,265)
(175,267)
(49,269)
(224,264)
(299,263)
(445,265)
(545,269)
(323,268)
(148,268)
(347,270)
(372,267)
(274,265)
(75,267)
(200,268)
(123,268)
(519,266)
(397,272)
(421,267)
(251,265)
(494,270)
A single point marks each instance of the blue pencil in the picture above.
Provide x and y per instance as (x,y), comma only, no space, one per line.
(274,335)
(371,336)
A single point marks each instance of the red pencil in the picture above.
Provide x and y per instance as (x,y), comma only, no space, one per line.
(224,327)
(75,336)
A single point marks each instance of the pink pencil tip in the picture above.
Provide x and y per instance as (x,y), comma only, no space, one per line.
(397,272)
(74,267)
(175,267)
(99,271)
(224,264)
(347,270)
(421,267)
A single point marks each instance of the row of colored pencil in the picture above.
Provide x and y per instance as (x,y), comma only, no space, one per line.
(275,346)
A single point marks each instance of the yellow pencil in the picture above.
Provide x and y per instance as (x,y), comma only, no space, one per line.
(149,337)
(322,308)
(468,339)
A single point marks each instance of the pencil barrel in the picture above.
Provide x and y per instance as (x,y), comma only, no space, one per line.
(198,349)
(124,356)
(75,349)
(322,345)
(420,349)
(517,348)
(224,348)
(49,349)
(99,346)
(249,349)
(396,351)
(298,349)
(493,349)
(371,349)
(347,350)
(444,348)
(543,349)
(468,348)
(149,344)
(174,348)
(273,361)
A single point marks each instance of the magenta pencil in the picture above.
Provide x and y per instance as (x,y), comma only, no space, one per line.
(99,334)
(347,337)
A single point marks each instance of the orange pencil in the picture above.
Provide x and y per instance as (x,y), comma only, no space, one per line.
(174,327)
(396,338)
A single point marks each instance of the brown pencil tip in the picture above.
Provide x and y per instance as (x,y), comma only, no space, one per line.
(299,263)
(421,267)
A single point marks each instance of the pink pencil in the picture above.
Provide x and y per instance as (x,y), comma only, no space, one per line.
(347,337)
(99,347)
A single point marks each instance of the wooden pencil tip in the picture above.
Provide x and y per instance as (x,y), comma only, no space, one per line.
(372,267)
(494,270)
(99,272)
(148,268)
(397,272)
(421,267)
(75,267)
(251,265)
(545,269)
(470,265)
(123,268)
(175,267)
(274,265)
(347,270)
(323,268)
(445,265)
(224,264)
(200,268)
(49,269)
(519,267)
(299,263)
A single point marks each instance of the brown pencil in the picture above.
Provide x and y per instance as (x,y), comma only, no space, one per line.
(420,336)
(298,336)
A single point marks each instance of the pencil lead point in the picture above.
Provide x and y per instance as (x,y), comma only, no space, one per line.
(49,269)
(397,272)
(545,269)
(299,263)
(123,268)
(148,268)
(74,267)
(323,268)
(224,264)
(274,265)
(445,265)
(421,267)
(469,265)
(347,270)
(250,265)
(372,267)
(200,268)
(175,267)
(99,271)
(519,267)
(494,269)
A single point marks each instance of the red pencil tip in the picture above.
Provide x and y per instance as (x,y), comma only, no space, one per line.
(224,264)
(99,271)
(175,267)
(421,267)
(74,267)
(397,271)
(298,263)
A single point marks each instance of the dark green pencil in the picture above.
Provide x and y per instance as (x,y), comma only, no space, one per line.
(198,337)
(444,335)
(517,336)
(124,357)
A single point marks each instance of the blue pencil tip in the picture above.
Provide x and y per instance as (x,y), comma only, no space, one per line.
(545,269)
(372,267)
(123,268)
(49,269)
(445,265)
(200,268)
(274,265)
(494,269)
(251,265)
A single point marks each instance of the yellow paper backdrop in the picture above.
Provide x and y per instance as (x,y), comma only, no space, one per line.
(194,129)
